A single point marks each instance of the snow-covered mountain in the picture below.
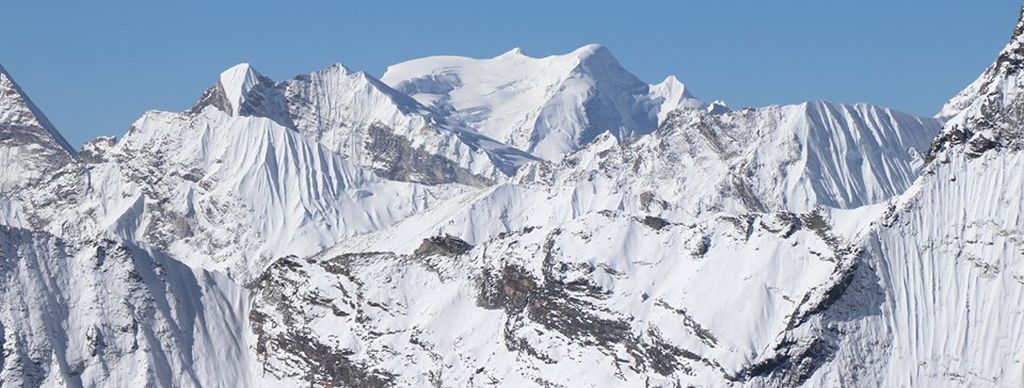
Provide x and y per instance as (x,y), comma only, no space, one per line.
(515,221)
(793,158)
(176,216)
(546,106)
(235,192)
(610,260)
(368,123)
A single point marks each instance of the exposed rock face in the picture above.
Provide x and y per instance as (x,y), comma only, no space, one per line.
(395,158)
(443,245)
(280,318)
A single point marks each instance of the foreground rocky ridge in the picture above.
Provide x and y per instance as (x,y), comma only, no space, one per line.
(333,230)
(605,292)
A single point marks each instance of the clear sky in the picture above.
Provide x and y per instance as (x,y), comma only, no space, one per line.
(96,66)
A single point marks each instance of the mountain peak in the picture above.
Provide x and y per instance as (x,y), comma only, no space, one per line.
(673,95)
(594,53)
(237,81)
(590,50)
(17,110)
(545,106)
(339,68)
(515,52)
(674,84)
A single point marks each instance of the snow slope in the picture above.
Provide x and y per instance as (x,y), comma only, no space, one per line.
(565,259)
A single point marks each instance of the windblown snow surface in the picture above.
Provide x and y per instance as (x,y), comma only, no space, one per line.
(515,221)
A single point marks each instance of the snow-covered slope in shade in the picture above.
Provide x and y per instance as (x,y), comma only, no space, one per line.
(546,106)
(940,283)
(107,314)
(368,123)
(948,260)
(792,157)
(30,147)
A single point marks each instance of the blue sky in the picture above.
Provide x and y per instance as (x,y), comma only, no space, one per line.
(94,67)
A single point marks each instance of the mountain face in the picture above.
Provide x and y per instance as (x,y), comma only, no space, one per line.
(947,254)
(515,221)
(546,106)
(106,313)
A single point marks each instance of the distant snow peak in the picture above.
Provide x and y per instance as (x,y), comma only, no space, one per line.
(237,82)
(546,106)
(594,52)
(718,107)
(515,52)
(672,94)
(365,121)
(339,68)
